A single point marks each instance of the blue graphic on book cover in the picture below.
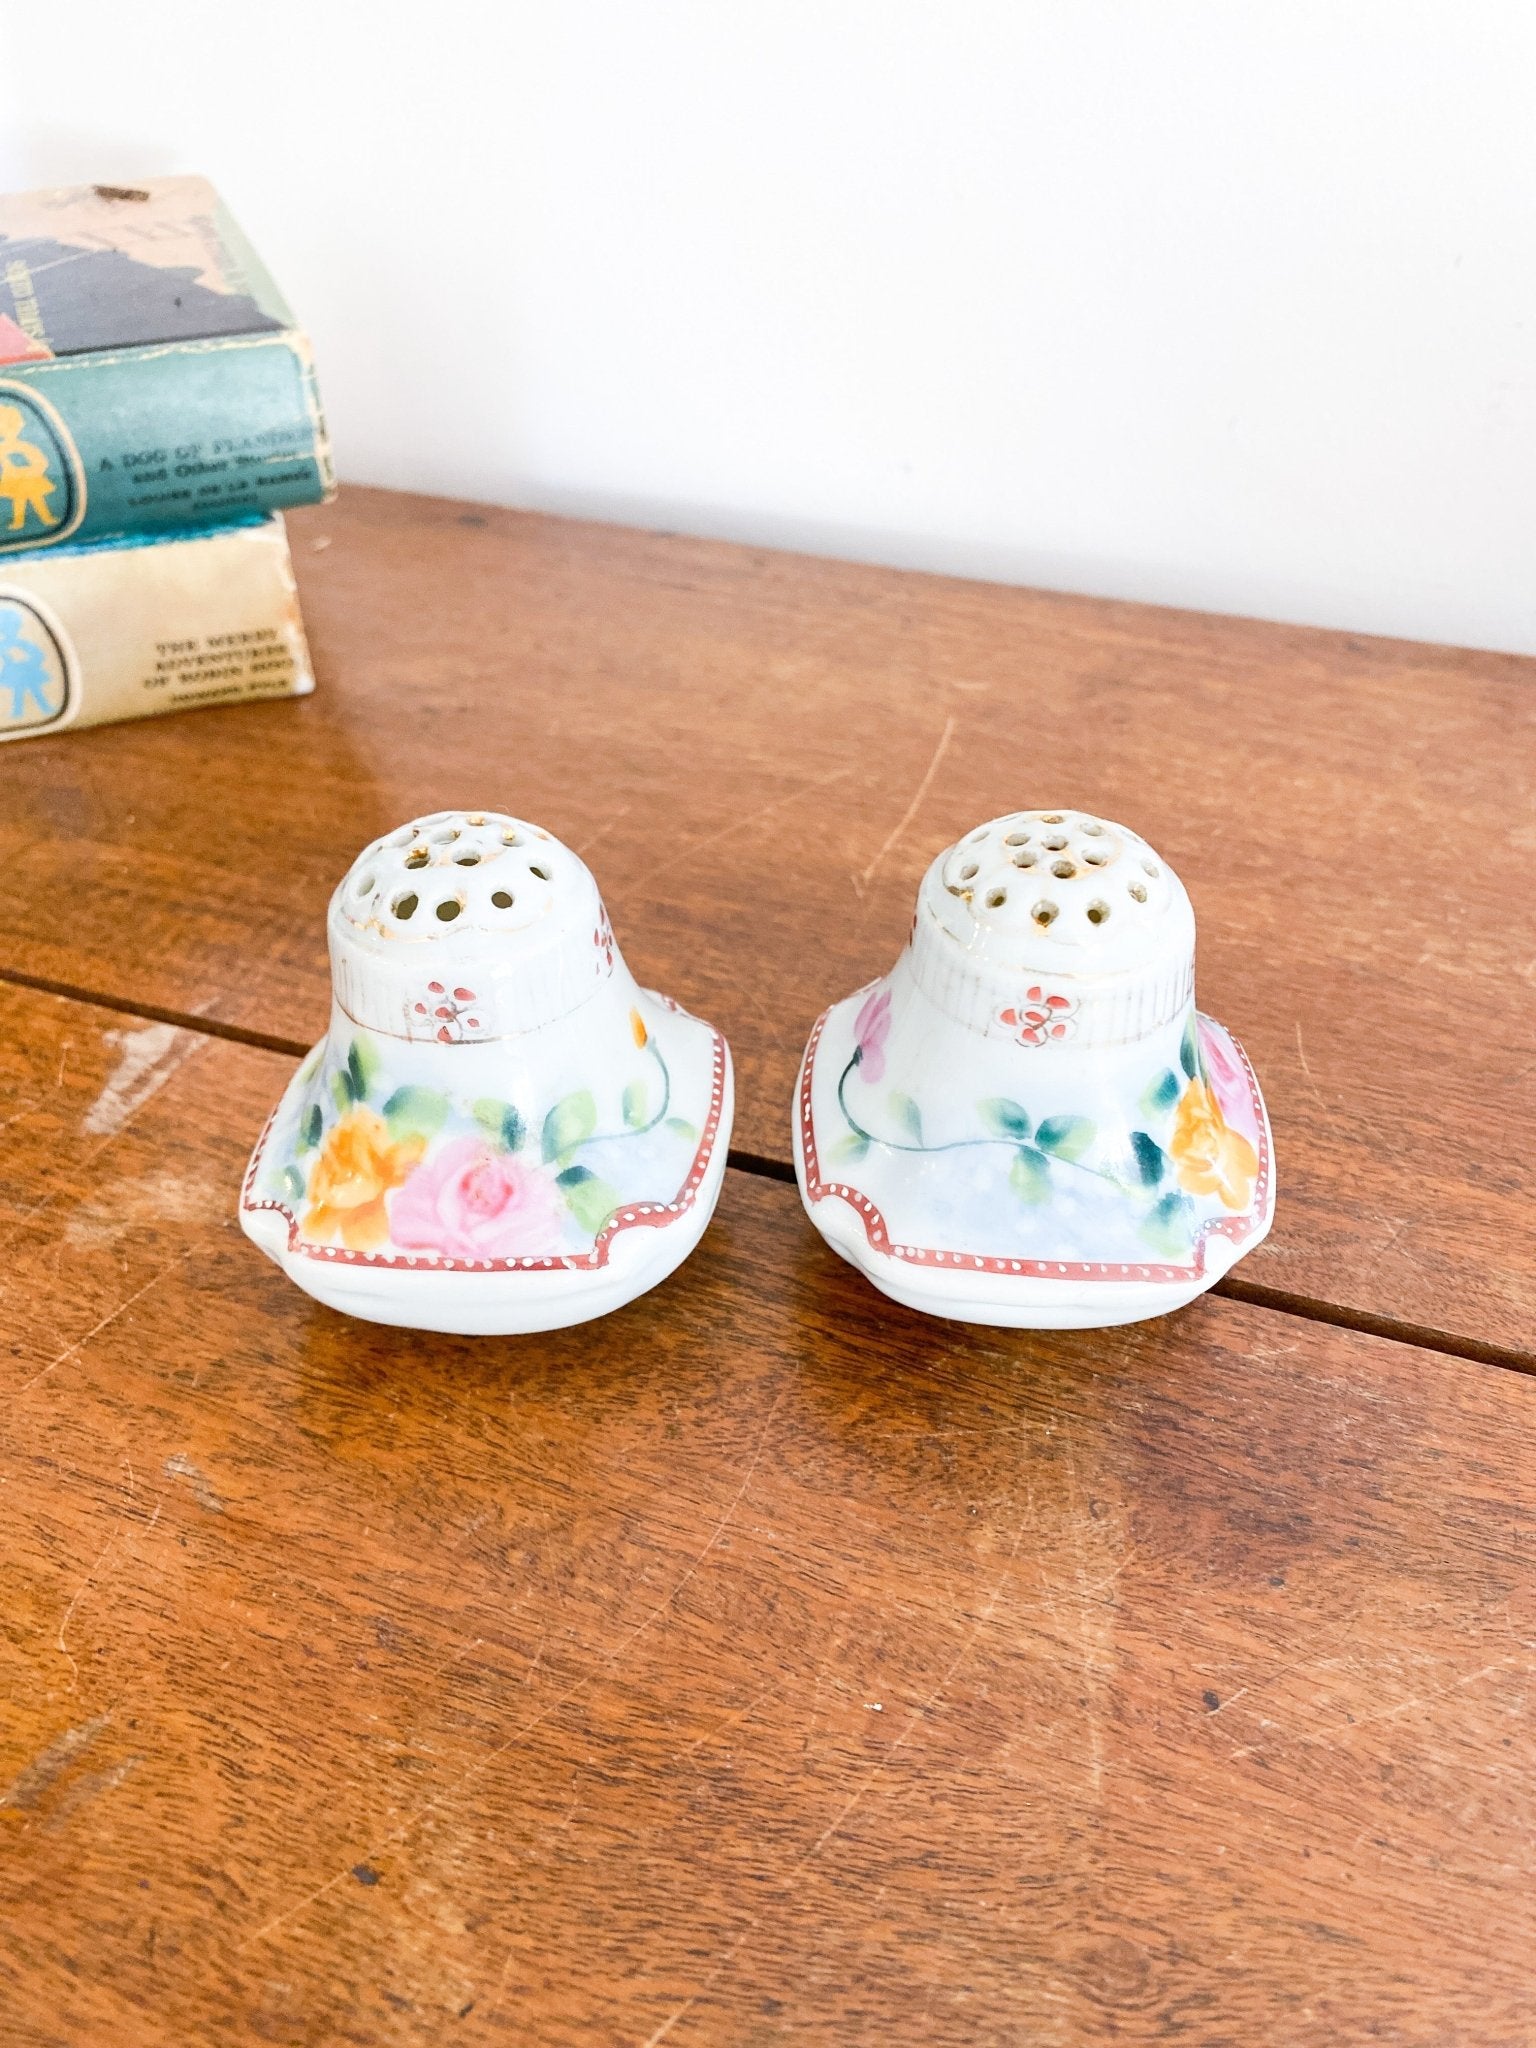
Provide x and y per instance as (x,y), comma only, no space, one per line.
(35,669)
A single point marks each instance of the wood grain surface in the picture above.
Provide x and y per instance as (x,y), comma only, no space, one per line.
(759,754)
(762,1663)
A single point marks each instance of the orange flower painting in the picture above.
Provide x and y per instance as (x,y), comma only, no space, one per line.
(1210,1157)
(358,1165)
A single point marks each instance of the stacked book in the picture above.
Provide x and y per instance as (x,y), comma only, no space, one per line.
(158,410)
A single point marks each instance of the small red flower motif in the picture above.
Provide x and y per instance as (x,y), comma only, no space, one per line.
(1039,1017)
(448,1013)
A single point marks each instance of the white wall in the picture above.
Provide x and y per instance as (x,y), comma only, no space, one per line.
(1225,303)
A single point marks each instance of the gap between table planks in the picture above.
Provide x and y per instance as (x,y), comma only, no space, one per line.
(762,1661)
(759,753)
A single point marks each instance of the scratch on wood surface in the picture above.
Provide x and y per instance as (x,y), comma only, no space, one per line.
(192,1049)
(146,1060)
(79,1594)
(1398,1228)
(1301,1053)
(180,1466)
(730,1721)
(1336,1737)
(16,1115)
(612,816)
(26,1789)
(1093,1636)
(122,1205)
(855,1799)
(738,825)
(96,1329)
(862,882)
(610,1661)
(92,1785)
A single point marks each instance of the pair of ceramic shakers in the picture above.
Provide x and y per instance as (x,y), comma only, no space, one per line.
(1026,1122)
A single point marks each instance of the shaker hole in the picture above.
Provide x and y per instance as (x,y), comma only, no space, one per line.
(1093,828)
(969,872)
(1151,868)
(1097,912)
(1139,891)
(996,898)
(466,860)
(1063,870)
(404,907)
(1044,914)
(1017,839)
(1052,818)
(543,874)
(417,857)
(1054,842)
(1095,856)
(449,909)
(509,837)
(1025,858)
(502,899)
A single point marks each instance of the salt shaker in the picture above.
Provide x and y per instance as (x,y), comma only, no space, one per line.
(501,1131)
(1027,1122)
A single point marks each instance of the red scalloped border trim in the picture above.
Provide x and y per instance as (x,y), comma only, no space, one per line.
(631,1216)
(1236,1227)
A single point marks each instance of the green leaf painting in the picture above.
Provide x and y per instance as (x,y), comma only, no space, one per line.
(293,1184)
(1159,1096)
(1151,1159)
(310,1126)
(1189,1049)
(590,1200)
(570,1123)
(341,1089)
(1167,1228)
(1007,1119)
(1030,1175)
(1067,1137)
(850,1149)
(635,1105)
(415,1113)
(680,1127)
(907,1115)
(362,1068)
(500,1121)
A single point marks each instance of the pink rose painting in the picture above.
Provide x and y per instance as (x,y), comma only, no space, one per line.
(1229,1081)
(871,1028)
(472,1202)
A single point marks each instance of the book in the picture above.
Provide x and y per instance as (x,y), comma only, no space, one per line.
(125,630)
(152,378)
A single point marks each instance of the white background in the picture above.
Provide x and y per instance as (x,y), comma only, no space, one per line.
(1225,303)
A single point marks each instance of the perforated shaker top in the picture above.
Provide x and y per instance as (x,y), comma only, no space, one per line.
(1058,900)
(467,925)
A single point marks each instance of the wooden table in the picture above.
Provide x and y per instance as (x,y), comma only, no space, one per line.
(766,1662)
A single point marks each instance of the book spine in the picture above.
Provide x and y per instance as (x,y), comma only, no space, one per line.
(88,635)
(131,442)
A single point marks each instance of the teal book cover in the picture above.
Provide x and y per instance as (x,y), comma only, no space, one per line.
(152,378)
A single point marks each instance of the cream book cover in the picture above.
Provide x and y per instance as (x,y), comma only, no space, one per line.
(93,634)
